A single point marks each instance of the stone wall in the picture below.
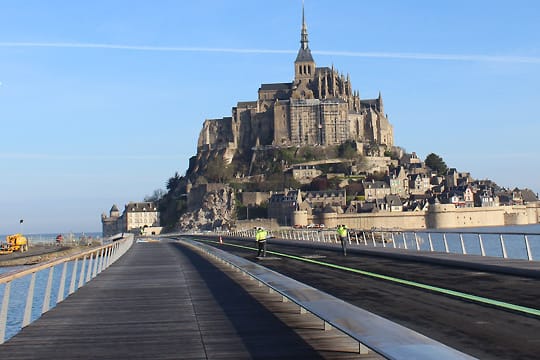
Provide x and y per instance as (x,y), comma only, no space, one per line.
(385,220)
(270,224)
(439,216)
(250,198)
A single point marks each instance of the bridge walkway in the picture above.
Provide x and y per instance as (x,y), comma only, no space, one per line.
(164,301)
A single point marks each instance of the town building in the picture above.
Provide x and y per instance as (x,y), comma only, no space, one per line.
(138,217)
(305,173)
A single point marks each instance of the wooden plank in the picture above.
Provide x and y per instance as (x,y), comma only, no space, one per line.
(162,301)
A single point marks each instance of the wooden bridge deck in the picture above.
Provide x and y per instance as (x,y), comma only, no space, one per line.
(163,301)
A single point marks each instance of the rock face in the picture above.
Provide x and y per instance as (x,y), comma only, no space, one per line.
(210,206)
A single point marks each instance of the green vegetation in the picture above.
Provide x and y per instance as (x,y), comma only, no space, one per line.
(173,203)
(348,150)
(436,163)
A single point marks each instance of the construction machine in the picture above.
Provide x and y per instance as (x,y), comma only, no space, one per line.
(15,242)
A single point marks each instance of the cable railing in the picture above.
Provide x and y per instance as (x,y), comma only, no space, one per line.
(506,245)
(28,293)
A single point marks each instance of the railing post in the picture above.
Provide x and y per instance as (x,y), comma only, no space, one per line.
(528,247)
(105,259)
(47,296)
(62,286)
(445,243)
(90,263)
(364,237)
(393,239)
(430,242)
(81,274)
(416,241)
(503,247)
(463,251)
(356,237)
(382,239)
(405,241)
(73,277)
(373,238)
(481,243)
(4,311)
(100,261)
(29,301)
(95,265)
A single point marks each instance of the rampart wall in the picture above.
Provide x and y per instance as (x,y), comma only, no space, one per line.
(438,216)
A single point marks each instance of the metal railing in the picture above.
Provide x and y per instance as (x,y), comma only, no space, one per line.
(506,245)
(373,333)
(66,275)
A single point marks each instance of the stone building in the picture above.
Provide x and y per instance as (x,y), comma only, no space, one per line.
(112,224)
(305,173)
(136,216)
(281,206)
(375,190)
(319,107)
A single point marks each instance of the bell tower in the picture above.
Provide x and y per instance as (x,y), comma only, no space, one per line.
(304,65)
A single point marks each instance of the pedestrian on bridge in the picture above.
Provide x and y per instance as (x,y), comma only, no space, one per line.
(260,237)
(343,237)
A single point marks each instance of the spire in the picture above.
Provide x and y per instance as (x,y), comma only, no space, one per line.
(304,54)
(304,36)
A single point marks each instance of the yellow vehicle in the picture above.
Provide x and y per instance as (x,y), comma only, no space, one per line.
(15,242)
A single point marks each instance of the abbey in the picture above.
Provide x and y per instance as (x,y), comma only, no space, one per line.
(319,107)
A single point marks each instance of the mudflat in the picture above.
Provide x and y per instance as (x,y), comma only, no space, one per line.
(38,253)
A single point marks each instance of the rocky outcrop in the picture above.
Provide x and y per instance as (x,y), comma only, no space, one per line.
(211,207)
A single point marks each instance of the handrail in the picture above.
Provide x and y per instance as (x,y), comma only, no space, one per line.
(93,262)
(506,245)
(372,332)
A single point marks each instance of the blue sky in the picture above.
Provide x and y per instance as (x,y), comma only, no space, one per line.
(102,101)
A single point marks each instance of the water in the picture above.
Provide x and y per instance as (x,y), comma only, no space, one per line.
(19,291)
(467,240)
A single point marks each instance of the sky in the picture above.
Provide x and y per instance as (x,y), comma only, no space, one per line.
(102,101)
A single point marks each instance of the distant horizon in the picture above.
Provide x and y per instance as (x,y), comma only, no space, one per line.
(103,102)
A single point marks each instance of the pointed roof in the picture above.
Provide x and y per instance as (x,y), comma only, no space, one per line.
(304,54)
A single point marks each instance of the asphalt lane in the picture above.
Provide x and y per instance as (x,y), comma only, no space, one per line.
(480,330)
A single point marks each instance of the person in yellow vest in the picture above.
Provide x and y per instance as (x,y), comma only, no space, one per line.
(343,234)
(260,237)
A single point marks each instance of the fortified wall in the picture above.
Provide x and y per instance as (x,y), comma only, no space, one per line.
(438,216)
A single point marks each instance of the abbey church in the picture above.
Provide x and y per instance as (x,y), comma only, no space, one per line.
(319,107)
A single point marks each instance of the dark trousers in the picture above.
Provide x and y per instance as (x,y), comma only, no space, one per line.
(262,248)
(344,241)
